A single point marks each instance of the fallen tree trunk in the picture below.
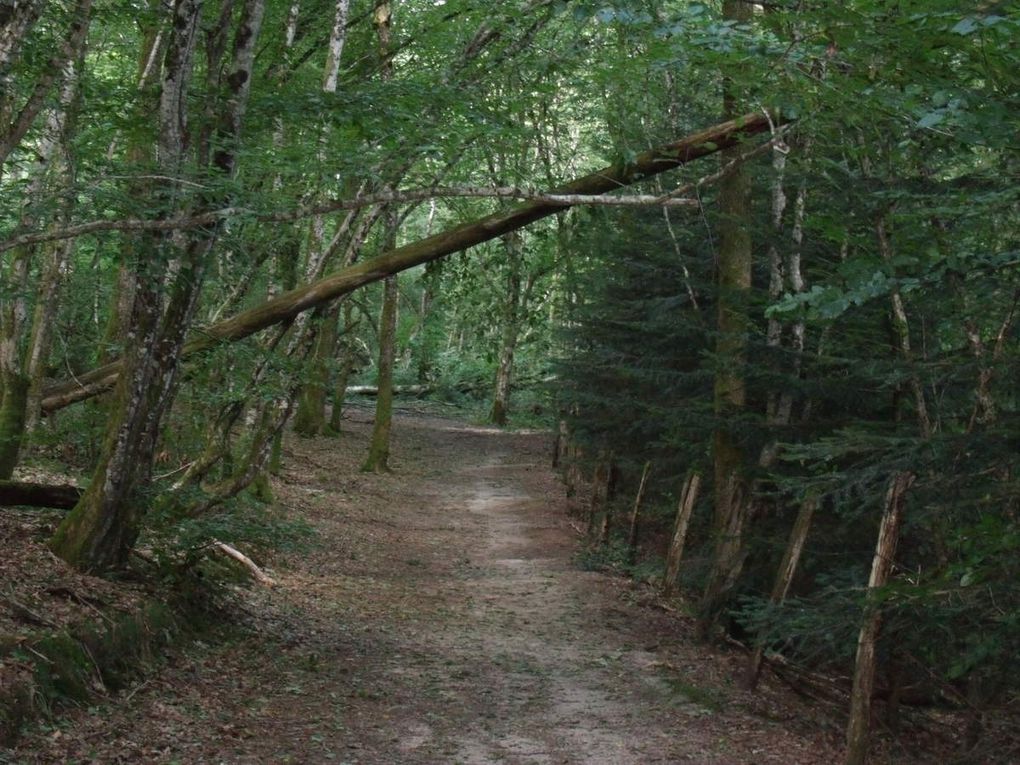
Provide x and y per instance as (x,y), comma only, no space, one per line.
(399,390)
(289,304)
(63,497)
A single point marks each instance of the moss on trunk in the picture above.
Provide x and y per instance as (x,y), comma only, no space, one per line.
(13,402)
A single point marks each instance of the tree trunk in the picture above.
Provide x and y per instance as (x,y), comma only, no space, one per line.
(70,50)
(38,495)
(379,449)
(859,726)
(99,532)
(635,515)
(288,305)
(688,496)
(734,286)
(511,329)
(343,375)
(23,344)
(784,578)
(310,419)
(13,404)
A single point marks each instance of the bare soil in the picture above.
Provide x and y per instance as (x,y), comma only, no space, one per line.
(441,618)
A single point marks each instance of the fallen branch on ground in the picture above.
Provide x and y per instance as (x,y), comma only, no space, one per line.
(61,497)
(257,574)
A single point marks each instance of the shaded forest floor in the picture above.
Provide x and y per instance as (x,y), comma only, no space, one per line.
(440,618)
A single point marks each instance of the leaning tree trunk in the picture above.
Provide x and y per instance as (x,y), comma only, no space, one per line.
(734,283)
(284,307)
(859,726)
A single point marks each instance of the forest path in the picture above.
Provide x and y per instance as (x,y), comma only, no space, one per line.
(441,620)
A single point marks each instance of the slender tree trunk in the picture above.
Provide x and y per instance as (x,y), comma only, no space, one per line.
(345,370)
(12,134)
(511,329)
(734,286)
(601,487)
(684,510)
(858,728)
(635,515)
(23,344)
(379,449)
(902,328)
(784,577)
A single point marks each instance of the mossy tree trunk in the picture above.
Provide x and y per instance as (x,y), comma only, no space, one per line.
(310,419)
(13,398)
(100,531)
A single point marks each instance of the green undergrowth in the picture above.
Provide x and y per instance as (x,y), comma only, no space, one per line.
(80,663)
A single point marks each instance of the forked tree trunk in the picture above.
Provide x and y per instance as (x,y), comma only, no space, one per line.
(684,510)
(784,578)
(99,532)
(294,302)
(859,726)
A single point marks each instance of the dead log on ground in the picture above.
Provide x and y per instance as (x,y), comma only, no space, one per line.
(61,497)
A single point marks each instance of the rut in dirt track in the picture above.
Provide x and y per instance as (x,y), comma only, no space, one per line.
(442,620)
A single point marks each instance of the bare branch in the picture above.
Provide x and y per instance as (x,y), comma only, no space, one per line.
(674,198)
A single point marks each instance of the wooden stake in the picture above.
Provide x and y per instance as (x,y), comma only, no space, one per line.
(688,496)
(858,728)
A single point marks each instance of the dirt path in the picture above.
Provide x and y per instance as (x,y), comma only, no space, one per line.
(441,621)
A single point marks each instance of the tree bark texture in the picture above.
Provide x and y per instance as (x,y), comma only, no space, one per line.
(294,302)
(859,726)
